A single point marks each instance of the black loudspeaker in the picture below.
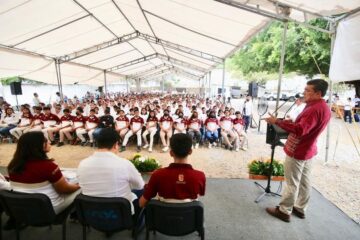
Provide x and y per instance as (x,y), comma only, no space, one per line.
(253,89)
(15,88)
(100,89)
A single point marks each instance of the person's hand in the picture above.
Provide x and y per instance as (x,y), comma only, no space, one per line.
(272,119)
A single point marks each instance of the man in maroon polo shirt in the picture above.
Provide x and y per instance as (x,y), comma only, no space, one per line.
(178,182)
(300,148)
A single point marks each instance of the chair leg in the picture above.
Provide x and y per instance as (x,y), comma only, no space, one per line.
(64,230)
(84,231)
(147,234)
(17,232)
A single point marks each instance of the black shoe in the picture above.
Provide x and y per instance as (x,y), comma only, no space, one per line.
(91,144)
(138,149)
(60,144)
(52,142)
(122,149)
(83,144)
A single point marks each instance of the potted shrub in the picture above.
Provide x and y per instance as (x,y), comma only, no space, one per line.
(145,164)
(259,169)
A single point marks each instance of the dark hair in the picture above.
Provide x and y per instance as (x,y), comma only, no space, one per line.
(80,109)
(181,144)
(107,110)
(29,147)
(319,85)
(46,108)
(107,138)
(66,110)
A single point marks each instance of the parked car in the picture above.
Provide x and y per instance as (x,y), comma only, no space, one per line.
(270,96)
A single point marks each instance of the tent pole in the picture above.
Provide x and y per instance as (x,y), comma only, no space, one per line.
(333,29)
(58,73)
(223,82)
(210,84)
(127,84)
(105,83)
(281,68)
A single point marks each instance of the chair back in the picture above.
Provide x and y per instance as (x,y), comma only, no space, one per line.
(34,209)
(174,219)
(104,214)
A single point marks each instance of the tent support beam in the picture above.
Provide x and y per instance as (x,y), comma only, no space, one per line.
(223,82)
(157,67)
(188,29)
(51,30)
(132,62)
(178,47)
(181,63)
(58,76)
(105,83)
(278,16)
(210,84)
(281,68)
(333,26)
(174,68)
(98,47)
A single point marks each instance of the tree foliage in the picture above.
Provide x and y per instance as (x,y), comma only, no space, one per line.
(303,45)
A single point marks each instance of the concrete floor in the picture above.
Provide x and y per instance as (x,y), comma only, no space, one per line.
(231,213)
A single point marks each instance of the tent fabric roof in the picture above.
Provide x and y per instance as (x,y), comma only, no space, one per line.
(132,38)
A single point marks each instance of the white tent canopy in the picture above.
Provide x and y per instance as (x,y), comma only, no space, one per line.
(134,39)
(345,63)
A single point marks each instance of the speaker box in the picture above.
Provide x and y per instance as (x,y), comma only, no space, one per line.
(15,88)
(100,89)
(253,89)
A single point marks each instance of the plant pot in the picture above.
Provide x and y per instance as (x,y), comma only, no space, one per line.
(278,178)
(257,177)
(263,177)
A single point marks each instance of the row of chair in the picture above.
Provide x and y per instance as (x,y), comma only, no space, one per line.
(107,215)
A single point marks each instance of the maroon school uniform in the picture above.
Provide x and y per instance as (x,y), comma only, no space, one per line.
(38,118)
(177,181)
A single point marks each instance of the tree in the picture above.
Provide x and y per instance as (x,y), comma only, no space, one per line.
(307,52)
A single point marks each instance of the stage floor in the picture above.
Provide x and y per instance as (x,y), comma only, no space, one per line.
(231,213)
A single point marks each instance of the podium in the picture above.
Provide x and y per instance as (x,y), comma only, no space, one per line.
(273,136)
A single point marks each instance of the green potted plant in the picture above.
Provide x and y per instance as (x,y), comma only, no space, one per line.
(144,164)
(259,169)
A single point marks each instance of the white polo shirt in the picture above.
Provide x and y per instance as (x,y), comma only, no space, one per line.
(105,174)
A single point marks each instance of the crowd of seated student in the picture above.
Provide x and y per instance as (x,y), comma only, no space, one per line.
(140,115)
(103,174)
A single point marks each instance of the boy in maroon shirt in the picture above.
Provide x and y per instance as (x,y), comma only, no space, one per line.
(178,182)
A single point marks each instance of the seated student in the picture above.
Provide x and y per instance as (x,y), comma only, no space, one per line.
(239,127)
(105,121)
(226,124)
(104,174)
(90,125)
(31,171)
(122,124)
(151,128)
(23,125)
(211,126)
(79,125)
(8,121)
(65,122)
(180,124)
(37,119)
(49,121)
(136,124)
(166,130)
(194,125)
(178,182)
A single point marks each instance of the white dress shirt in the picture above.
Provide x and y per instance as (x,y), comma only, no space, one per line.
(105,174)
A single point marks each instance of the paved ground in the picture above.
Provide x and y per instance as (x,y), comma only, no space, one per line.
(231,213)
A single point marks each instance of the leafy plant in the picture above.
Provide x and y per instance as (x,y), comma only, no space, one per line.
(145,164)
(258,167)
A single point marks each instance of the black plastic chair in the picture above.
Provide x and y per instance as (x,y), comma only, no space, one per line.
(108,215)
(174,219)
(32,209)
